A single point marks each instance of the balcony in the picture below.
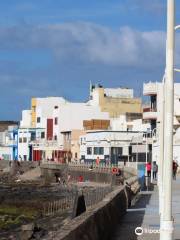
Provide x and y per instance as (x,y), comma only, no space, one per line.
(150,115)
(12,142)
(149,89)
(44,142)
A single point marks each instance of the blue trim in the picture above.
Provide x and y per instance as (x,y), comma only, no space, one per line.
(17,143)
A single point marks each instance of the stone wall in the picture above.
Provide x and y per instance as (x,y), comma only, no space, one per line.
(48,172)
(97,223)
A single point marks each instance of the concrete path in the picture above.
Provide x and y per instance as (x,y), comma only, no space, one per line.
(145,214)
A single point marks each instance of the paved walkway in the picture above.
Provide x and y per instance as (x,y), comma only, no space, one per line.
(145,214)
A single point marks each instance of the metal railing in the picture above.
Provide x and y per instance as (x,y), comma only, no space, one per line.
(91,196)
(58,206)
(96,195)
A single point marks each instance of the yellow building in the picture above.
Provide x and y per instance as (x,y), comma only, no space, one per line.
(116,101)
(33,112)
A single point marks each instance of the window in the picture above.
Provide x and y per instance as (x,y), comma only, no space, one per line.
(98,150)
(76,155)
(24,139)
(20,140)
(101,151)
(25,157)
(42,134)
(56,107)
(55,137)
(89,150)
(38,119)
(56,121)
(33,136)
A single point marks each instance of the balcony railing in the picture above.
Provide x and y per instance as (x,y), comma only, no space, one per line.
(150,115)
(149,109)
(44,142)
(149,88)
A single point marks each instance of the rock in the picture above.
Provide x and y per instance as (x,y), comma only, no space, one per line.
(26,235)
(27,227)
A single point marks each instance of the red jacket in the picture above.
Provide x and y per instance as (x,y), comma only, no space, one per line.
(148,167)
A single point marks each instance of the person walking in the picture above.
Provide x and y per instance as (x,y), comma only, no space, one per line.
(175,166)
(155,170)
(97,161)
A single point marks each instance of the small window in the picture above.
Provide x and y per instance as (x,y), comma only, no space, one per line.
(24,139)
(33,136)
(55,137)
(89,150)
(38,119)
(42,134)
(76,155)
(25,157)
(101,151)
(98,150)
(20,140)
(56,107)
(56,121)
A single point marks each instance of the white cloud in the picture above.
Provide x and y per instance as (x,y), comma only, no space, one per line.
(95,43)
(89,42)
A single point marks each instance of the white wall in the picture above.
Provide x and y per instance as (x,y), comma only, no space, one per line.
(23,148)
(3,137)
(71,115)
(119,124)
(119,92)
(159,90)
(6,152)
(106,139)
(26,118)
(138,125)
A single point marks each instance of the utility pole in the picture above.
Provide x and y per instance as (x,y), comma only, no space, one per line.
(166,229)
(161,148)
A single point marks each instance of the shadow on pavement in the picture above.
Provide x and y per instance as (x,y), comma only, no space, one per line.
(125,229)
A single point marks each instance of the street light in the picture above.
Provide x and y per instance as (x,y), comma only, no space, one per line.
(166,228)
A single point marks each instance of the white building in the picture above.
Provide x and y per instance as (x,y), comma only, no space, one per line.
(8,143)
(125,141)
(54,117)
(152,114)
(122,124)
(115,146)
(27,138)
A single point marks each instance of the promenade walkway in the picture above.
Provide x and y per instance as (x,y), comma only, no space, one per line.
(145,214)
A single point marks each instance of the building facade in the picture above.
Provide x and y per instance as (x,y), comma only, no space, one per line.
(152,114)
(116,101)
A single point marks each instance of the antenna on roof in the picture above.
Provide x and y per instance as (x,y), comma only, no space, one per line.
(90,89)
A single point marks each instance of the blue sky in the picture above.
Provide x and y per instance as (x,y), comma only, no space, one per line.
(55,47)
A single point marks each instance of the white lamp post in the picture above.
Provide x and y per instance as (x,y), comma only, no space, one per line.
(166,229)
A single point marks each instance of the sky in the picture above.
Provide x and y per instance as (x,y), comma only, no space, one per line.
(56,47)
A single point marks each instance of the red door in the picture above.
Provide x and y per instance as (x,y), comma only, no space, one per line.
(49,129)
